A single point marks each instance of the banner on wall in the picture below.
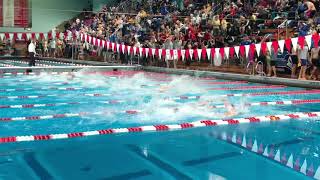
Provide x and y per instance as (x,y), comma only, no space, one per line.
(15,13)
(8,13)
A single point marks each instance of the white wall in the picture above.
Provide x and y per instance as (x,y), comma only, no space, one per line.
(47,14)
(98,4)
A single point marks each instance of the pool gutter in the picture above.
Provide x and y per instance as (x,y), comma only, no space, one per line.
(241,77)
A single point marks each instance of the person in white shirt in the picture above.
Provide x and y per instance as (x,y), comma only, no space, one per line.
(32,53)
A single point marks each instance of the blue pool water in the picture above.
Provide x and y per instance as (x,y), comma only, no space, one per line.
(199,153)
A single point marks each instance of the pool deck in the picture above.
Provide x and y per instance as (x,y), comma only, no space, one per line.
(94,65)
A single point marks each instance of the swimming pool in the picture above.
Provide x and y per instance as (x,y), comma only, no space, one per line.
(139,125)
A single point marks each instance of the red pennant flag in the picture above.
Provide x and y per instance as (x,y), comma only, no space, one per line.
(171,53)
(221,50)
(15,36)
(150,52)
(92,41)
(315,38)
(301,41)
(58,35)
(131,51)
(125,49)
(264,48)
(288,44)
(144,52)
(24,36)
(195,54)
(110,46)
(65,35)
(96,43)
(6,35)
(87,39)
(179,54)
(163,54)
(41,35)
(231,51)
(101,43)
(49,35)
(242,50)
(33,35)
(187,54)
(203,53)
(275,46)
(252,49)
(213,52)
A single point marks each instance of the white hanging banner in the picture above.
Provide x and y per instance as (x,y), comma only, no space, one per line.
(2,36)
(236,49)
(168,56)
(8,13)
(37,35)
(294,43)
(98,42)
(108,44)
(89,40)
(118,48)
(309,40)
(199,53)
(160,53)
(94,41)
(103,43)
(112,46)
(227,52)
(258,49)
(29,36)
(269,45)
(208,53)
(147,52)
(129,50)
(281,45)
(123,47)
(11,36)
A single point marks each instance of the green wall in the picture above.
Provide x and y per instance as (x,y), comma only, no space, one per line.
(98,4)
(47,14)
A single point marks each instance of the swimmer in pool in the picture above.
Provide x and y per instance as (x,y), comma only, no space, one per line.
(163,89)
(231,110)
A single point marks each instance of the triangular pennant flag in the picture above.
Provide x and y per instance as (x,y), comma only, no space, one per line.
(252,50)
(130,50)
(24,36)
(208,53)
(58,35)
(183,54)
(146,52)
(160,53)
(315,38)
(203,53)
(288,44)
(242,50)
(187,54)
(123,48)
(153,51)
(275,46)
(174,54)
(309,41)
(150,53)
(236,49)
(15,36)
(269,45)
(29,36)
(301,41)
(156,52)
(277,156)
(199,51)
(140,52)
(65,35)
(232,51)
(247,49)
(2,36)
(118,48)
(103,43)
(303,169)
(281,45)
(163,53)
(217,53)
(99,42)
(179,54)
(191,53)
(11,35)
(134,49)
(213,53)
(38,36)
(167,54)
(89,39)
(227,52)
(6,35)
(221,50)
(82,37)
(93,42)
(33,35)
(258,49)
(264,48)
(290,161)
(171,51)
(19,36)
(49,35)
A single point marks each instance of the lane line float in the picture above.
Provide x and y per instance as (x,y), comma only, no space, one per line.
(159,128)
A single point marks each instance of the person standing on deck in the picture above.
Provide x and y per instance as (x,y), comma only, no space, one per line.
(32,53)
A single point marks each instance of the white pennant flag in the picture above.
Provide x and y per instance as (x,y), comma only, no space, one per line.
(37,35)
(281,45)
(147,52)
(153,51)
(77,34)
(160,53)
(199,53)
(140,52)
(112,46)
(183,54)
(2,36)
(118,47)
(129,50)
(217,53)
(11,36)
(269,45)
(191,53)
(99,42)
(168,56)
(89,39)
(236,49)
(45,36)
(208,53)
(175,54)
(247,48)
(29,36)
(103,43)
(309,41)
(108,44)
(134,50)
(123,48)
(294,43)
(258,49)
(85,37)
(20,36)
(94,41)
(227,52)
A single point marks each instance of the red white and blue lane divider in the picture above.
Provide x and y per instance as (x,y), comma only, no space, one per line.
(269,152)
(44,88)
(264,103)
(160,128)
(4,74)
(250,87)
(22,106)
(175,98)
(42,63)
